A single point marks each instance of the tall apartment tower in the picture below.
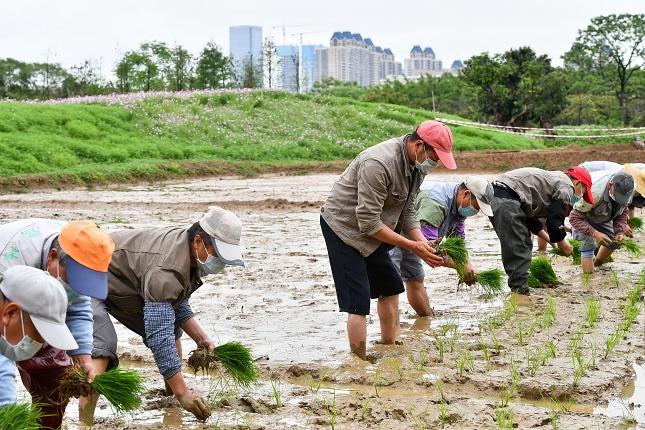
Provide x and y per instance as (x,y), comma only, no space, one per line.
(422,62)
(245,46)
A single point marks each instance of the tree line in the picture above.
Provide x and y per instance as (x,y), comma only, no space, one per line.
(602,80)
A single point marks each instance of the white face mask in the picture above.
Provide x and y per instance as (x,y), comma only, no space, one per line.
(23,350)
(427,165)
(212,266)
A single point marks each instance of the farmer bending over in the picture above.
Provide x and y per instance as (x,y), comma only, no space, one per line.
(152,276)
(370,205)
(441,208)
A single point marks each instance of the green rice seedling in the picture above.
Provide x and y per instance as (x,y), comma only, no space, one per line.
(636,223)
(612,341)
(514,370)
(443,413)
(440,390)
(614,275)
(579,367)
(465,361)
(504,419)
(576,251)
(553,419)
(314,385)
(520,333)
(235,358)
(576,339)
(484,348)
(497,346)
(121,388)
(594,352)
(23,416)
(332,409)
(585,280)
(397,366)
(440,342)
(541,273)
(592,305)
(630,313)
(631,247)
(275,391)
(377,381)
(455,248)
(364,409)
(551,349)
(490,281)
(547,318)
(507,395)
(420,360)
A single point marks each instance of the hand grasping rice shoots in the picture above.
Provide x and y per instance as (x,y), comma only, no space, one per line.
(541,273)
(636,223)
(575,254)
(234,357)
(23,416)
(455,248)
(490,281)
(121,388)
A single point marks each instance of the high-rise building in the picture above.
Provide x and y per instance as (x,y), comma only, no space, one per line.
(308,66)
(350,58)
(322,64)
(288,68)
(422,62)
(456,67)
(245,49)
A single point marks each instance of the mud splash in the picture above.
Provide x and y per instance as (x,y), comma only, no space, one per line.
(284,306)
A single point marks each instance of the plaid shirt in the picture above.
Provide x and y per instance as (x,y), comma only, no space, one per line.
(161,321)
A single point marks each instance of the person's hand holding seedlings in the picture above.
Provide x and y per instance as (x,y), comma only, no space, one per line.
(601,238)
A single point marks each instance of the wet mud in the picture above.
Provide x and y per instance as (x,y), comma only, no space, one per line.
(480,362)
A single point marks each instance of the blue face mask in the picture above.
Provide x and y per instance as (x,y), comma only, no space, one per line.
(72,296)
(212,265)
(427,165)
(468,211)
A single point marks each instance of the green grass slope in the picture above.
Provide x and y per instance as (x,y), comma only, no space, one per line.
(173,136)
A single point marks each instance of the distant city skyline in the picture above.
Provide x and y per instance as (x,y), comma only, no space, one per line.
(71,31)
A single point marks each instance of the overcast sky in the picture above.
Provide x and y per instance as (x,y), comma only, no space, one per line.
(70,31)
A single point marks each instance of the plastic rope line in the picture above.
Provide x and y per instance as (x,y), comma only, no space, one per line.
(513,130)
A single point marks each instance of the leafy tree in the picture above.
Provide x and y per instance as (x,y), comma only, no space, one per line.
(84,79)
(214,69)
(611,46)
(180,74)
(271,59)
(251,73)
(516,88)
(334,87)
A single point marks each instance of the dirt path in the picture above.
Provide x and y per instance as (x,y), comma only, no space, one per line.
(284,306)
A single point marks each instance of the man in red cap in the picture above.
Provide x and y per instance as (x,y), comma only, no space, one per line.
(369,210)
(519,199)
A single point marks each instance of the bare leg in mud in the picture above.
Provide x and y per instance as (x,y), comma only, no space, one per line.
(388,315)
(357,333)
(87,405)
(418,298)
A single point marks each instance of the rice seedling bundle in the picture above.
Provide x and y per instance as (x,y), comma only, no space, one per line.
(23,416)
(576,251)
(122,388)
(541,273)
(235,358)
(490,281)
(631,246)
(455,248)
(636,223)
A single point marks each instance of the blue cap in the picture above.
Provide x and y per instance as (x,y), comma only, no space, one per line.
(86,281)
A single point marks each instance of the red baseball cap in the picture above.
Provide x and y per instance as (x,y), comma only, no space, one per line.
(582,174)
(439,136)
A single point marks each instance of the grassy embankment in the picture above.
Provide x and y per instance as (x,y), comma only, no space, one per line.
(226,133)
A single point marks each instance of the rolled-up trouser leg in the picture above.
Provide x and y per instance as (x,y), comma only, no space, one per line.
(509,222)
(104,335)
(40,375)
(7,381)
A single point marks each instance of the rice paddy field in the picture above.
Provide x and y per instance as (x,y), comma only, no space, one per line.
(568,356)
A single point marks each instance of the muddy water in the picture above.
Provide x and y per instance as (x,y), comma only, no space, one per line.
(283,305)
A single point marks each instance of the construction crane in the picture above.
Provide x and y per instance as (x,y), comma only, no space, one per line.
(307,32)
(284,30)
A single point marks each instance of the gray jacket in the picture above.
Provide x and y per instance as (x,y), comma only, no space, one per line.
(372,193)
(538,188)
